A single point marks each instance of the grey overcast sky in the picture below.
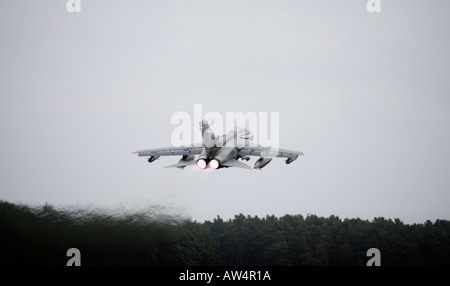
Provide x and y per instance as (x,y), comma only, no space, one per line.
(366,97)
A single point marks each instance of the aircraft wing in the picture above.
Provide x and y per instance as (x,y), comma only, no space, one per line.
(170,151)
(268,152)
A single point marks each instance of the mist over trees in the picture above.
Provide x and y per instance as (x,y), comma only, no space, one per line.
(42,236)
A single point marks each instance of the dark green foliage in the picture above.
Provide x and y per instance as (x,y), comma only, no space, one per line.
(42,236)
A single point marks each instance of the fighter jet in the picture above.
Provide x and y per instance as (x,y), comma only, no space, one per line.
(216,152)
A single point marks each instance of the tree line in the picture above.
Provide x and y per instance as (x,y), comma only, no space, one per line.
(42,236)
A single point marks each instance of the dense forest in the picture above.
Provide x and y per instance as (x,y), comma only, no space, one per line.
(42,236)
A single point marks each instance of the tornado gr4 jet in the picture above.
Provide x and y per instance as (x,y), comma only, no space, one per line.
(221,152)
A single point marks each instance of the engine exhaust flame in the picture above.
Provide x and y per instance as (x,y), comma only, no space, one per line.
(201,164)
(214,164)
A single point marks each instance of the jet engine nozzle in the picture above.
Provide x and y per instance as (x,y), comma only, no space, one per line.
(201,164)
(213,164)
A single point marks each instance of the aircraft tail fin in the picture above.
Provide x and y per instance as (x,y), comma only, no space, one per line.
(204,125)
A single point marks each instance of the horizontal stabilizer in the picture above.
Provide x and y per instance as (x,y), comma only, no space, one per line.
(181,164)
(235,163)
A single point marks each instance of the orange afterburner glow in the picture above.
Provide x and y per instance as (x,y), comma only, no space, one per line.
(214,164)
(201,164)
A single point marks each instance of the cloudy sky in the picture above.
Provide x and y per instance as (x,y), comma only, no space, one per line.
(366,97)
